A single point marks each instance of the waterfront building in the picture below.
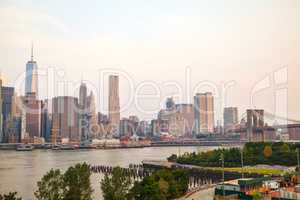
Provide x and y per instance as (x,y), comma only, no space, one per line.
(7,101)
(15,120)
(103,123)
(204,112)
(31,79)
(14,129)
(1,118)
(65,119)
(155,129)
(135,122)
(46,123)
(83,112)
(171,122)
(114,103)
(92,116)
(187,112)
(32,109)
(127,127)
(230,117)
(143,128)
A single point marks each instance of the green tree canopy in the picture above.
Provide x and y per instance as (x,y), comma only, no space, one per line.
(51,186)
(116,186)
(77,185)
(74,184)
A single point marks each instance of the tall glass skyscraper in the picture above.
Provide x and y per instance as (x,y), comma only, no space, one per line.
(31,80)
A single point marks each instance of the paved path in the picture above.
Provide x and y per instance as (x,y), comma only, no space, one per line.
(207,194)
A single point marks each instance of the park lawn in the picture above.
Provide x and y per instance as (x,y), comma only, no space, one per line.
(250,170)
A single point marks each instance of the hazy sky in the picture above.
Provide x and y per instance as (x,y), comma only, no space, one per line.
(253,44)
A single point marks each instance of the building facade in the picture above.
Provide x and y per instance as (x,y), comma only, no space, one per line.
(7,102)
(46,123)
(204,112)
(31,79)
(114,102)
(65,119)
(83,112)
(32,108)
(187,112)
(230,117)
(1,118)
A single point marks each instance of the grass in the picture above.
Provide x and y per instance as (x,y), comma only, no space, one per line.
(250,170)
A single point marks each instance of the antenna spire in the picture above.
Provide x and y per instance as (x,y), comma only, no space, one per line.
(31,51)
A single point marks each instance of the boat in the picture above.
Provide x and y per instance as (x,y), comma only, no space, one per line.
(63,147)
(55,147)
(67,147)
(24,147)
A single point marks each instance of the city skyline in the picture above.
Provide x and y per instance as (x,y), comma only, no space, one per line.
(34,77)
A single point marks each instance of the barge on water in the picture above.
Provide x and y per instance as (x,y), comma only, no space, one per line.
(25,147)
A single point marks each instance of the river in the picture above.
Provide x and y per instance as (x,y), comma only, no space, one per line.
(20,171)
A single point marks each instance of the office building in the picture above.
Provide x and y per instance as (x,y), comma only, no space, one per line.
(171,122)
(83,112)
(204,112)
(7,102)
(65,119)
(230,118)
(31,79)
(32,109)
(92,116)
(1,118)
(46,123)
(127,127)
(144,128)
(114,102)
(187,113)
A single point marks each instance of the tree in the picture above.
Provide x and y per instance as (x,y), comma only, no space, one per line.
(10,196)
(116,186)
(147,189)
(162,185)
(77,185)
(267,151)
(172,158)
(51,186)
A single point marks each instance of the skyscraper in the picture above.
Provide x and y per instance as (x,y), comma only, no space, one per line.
(83,95)
(83,121)
(7,101)
(31,79)
(188,113)
(65,119)
(230,116)
(114,101)
(204,112)
(46,120)
(33,116)
(1,119)
(92,115)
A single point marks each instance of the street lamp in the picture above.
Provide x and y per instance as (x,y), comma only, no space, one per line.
(242,162)
(223,175)
(298,159)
